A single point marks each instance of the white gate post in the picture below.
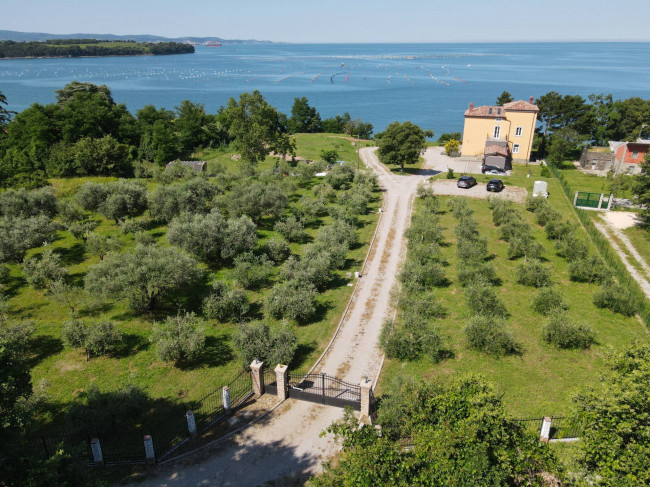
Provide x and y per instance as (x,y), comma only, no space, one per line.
(191,424)
(96,448)
(148,450)
(225,396)
(366,387)
(257,377)
(575,199)
(545,434)
(281,377)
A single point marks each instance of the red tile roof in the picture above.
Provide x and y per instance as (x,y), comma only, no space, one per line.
(497,150)
(493,111)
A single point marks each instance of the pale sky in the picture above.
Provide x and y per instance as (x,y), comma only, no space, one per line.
(333,21)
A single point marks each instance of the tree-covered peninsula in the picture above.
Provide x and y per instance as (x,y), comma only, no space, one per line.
(89,47)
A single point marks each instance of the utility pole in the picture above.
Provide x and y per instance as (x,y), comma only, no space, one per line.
(358,160)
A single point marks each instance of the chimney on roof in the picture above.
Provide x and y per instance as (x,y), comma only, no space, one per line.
(532,100)
(471,106)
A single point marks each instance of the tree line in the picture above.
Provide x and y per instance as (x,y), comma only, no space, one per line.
(89,47)
(86,133)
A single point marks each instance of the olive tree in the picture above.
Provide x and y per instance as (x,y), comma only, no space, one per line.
(143,276)
(225,302)
(18,235)
(256,340)
(292,300)
(99,245)
(98,338)
(22,203)
(179,337)
(40,272)
(115,200)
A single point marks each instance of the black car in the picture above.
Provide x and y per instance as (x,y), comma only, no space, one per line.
(466,182)
(495,185)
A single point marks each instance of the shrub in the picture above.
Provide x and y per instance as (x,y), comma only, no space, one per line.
(589,269)
(483,300)
(531,272)
(571,247)
(226,302)
(425,191)
(477,272)
(293,300)
(545,172)
(524,246)
(489,334)
(425,229)
(459,207)
(251,272)
(340,176)
(535,204)
(179,337)
(561,332)
(100,338)
(558,228)
(410,340)
(513,229)
(39,273)
(18,235)
(467,229)
(273,346)
(502,211)
(548,299)
(277,249)
(472,251)
(547,214)
(423,305)
(450,173)
(418,276)
(291,229)
(452,147)
(617,298)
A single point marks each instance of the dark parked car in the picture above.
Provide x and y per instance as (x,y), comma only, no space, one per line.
(495,185)
(466,182)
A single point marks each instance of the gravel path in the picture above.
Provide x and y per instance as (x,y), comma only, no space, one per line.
(285,446)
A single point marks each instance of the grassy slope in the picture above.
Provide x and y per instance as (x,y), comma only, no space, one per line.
(66,371)
(640,238)
(541,381)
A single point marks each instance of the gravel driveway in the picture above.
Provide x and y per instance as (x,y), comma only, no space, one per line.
(435,159)
(449,187)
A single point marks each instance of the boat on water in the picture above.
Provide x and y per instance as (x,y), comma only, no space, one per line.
(213,44)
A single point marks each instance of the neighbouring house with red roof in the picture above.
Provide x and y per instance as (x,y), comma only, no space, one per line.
(500,134)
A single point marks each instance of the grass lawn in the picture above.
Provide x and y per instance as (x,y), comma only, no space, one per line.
(640,238)
(541,381)
(66,374)
(580,181)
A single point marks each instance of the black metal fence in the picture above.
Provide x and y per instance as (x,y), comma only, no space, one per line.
(270,381)
(561,427)
(168,435)
(324,389)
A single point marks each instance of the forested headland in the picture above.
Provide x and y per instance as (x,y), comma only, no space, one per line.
(89,47)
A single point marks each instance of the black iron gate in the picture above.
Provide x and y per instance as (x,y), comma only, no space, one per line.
(324,389)
(270,382)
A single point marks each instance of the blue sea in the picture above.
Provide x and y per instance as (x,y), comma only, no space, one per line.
(428,84)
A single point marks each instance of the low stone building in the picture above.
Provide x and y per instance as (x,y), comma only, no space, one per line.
(197,166)
(618,157)
(597,159)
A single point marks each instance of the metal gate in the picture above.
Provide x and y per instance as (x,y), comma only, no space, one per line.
(591,200)
(324,389)
(270,382)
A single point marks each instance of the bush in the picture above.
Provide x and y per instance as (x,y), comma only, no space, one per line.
(556,229)
(18,235)
(277,249)
(39,273)
(547,214)
(524,246)
(423,305)
(548,299)
(471,251)
(410,340)
(489,334)
(251,272)
(419,276)
(589,269)
(293,300)
(617,298)
(531,272)
(561,332)
(545,172)
(225,303)
(514,228)
(179,337)
(291,229)
(133,225)
(459,207)
(340,176)
(536,204)
(483,300)
(452,147)
(99,338)
(477,273)
(502,211)
(273,346)
(572,247)
(450,173)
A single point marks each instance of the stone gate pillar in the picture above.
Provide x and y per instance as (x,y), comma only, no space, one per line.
(281,377)
(257,376)
(366,388)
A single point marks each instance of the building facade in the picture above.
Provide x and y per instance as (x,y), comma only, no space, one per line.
(488,127)
(619,157)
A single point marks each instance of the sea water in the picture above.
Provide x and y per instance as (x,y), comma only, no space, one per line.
(428,84)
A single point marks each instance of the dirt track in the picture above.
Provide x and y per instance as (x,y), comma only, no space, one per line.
(286,444)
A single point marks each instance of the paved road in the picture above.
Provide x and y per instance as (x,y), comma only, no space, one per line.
(286,444)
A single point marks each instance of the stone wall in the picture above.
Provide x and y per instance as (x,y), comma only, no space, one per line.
(604,161)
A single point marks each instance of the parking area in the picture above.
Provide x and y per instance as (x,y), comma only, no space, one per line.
(436,159)
(448,187)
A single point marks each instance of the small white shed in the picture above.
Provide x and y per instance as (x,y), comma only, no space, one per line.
(540,188)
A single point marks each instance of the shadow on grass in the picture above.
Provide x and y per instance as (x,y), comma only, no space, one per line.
(132,344)
(72,255)
(42,347)
(303,351)
(217,352)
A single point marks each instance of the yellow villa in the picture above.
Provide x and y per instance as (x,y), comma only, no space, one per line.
(500,134)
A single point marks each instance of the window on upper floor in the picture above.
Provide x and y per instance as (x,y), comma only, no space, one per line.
(490,111)
(515,149)
(497,131)
(519,131)
(635,154)
(498,120)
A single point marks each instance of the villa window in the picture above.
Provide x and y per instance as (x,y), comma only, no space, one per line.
(635,154)
(497,131)
(519,131)
(515,149)
(490,111)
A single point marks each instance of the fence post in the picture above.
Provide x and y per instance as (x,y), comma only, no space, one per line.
(281,378)
(225,396)
(322,383)
(191,424)
(96,448)
(545,433)
(149,453)
(366,387)
(609,202)
(257,377)
(575,199)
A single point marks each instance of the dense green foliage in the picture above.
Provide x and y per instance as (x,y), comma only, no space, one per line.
(616,417)
(563,333)
(273,346)
(439,435)
(89,47)
(179,337)
(97,338)
(642,191)
(401,143)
